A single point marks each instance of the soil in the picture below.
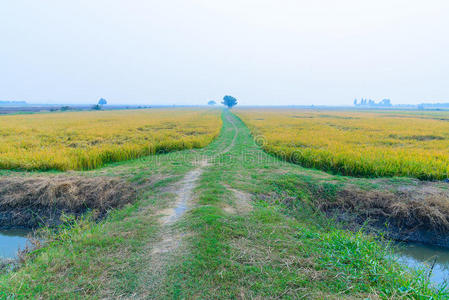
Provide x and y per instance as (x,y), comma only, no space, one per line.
(241,203)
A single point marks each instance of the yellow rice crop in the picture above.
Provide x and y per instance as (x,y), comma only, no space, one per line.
(357,143)
(87,140)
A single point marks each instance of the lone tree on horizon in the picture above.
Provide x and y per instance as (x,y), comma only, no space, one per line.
(211,102)
(229,101)
(102,101)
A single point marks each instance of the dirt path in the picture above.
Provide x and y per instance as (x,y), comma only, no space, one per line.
(170,238)
(184,193)
(250,234)
(236,130)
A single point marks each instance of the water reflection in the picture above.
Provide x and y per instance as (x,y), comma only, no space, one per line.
(417,255)
(11,240)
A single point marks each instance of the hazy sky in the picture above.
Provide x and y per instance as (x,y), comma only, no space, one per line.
(189,52)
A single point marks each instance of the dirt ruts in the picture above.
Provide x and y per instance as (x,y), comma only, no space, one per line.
(185,190)
(170,238)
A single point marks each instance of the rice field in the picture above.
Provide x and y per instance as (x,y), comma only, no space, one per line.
(91,139)
(356,143)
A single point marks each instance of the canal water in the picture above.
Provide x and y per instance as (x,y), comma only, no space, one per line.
(420,256)
(414,255)
(11,240)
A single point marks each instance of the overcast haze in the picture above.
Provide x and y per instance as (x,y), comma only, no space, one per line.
(189,52)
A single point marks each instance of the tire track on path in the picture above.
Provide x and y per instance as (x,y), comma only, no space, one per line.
(170,238)
(189,182)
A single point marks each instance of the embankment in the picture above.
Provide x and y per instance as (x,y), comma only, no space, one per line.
(41,200)
(410,213)
(407,210)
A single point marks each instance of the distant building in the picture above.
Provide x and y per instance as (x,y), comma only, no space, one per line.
(371,103)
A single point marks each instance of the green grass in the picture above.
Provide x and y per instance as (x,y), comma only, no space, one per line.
(281,248)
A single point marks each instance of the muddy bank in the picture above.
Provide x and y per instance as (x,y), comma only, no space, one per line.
(390,228)
(415,213)
(401,209)
(30,202)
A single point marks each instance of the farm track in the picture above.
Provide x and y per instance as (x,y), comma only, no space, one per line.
(184,193)
(226,222)
(170,238)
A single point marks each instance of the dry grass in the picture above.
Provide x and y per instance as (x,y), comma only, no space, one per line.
(29,201)
(424,206)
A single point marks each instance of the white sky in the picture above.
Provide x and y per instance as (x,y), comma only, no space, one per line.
(189,52)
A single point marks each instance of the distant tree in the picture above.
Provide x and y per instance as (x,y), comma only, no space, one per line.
(102,101)
(65,108)
(211,102)
(229,101)
(96,107)
(355,101)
